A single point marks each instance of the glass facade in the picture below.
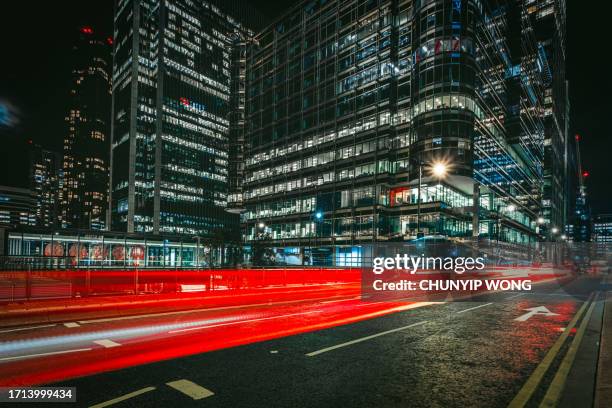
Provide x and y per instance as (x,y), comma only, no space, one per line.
(348,101)
(85,167)
(172,107)
(17,207)
(559,166)
(602,229)
(110,250)
(45,180)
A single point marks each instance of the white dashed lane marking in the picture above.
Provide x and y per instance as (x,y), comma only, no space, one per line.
(106,343)
(473,308)
(191,389)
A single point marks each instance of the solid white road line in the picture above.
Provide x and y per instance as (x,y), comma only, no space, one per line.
(72,324)
(106,343)
(373,336)
(241,321)
(26,328)
(190,389)
(515,296)
(122,398)
(473,308)
(43,354)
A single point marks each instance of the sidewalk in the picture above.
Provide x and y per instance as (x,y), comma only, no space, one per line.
(603,386)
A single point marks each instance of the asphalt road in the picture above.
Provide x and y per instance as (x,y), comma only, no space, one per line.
(478,353)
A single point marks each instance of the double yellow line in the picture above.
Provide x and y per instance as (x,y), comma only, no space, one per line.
(553,394)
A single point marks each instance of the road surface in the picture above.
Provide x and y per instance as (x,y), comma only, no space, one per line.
(327,352)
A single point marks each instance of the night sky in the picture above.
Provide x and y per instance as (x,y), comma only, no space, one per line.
(34,76)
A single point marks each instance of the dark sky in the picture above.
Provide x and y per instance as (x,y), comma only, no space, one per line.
(34,72)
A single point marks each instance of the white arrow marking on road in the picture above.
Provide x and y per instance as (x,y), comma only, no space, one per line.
(538,310)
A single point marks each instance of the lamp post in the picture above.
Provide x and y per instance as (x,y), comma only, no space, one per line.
(439,170)
(197,252)
(419,200)
(500,211)
(540,221)
(553,233)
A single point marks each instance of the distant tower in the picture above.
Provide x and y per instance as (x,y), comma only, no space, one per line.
(45,174)
(87,142)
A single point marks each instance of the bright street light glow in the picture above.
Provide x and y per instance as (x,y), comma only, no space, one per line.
(319,215)
(554,230)
(563,236)
(541,220)
(512,207)
(439,169)
(262,225)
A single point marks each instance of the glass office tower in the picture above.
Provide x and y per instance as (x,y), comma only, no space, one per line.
(358,108)
(84,193)
(46,179)
(559,172)
(172,106)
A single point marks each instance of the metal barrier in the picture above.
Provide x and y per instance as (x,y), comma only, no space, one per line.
(24,262)
(27,285)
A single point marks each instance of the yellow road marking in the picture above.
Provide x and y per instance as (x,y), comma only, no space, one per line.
(123,397)
(556,386)
(191,389)
(536,377)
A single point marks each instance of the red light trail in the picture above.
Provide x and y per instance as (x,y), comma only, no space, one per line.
(242,307)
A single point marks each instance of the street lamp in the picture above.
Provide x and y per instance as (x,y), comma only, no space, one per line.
(500,211)
(541,220)
(554,230)
(439,169)
(261,225)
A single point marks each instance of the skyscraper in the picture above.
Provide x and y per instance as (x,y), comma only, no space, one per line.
(86,145)
(171,116)
(558,197)
(45,182)
(383,120)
